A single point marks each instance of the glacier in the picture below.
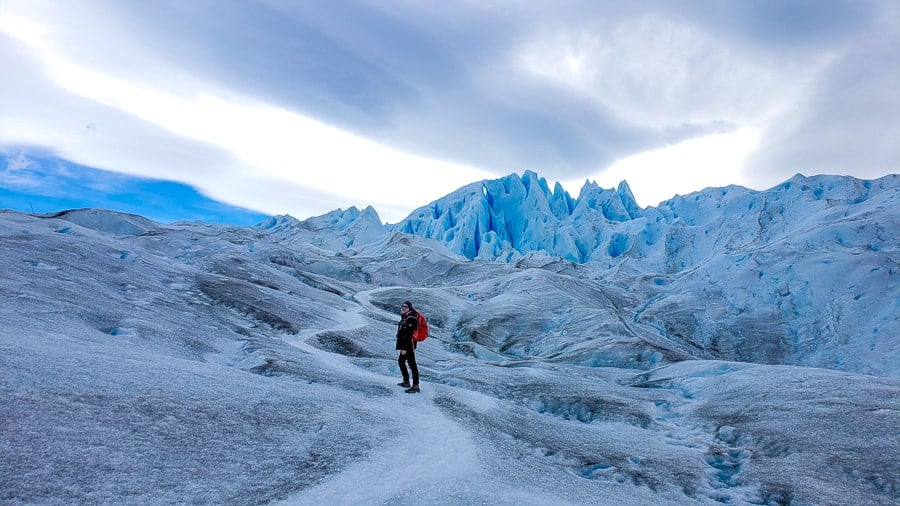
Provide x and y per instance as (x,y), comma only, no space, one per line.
(727,346)
(783,276)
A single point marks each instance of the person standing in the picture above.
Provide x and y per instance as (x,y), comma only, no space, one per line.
(409,322)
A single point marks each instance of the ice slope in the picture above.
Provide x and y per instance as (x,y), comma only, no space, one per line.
(812,280)
(193,363)
(804,273)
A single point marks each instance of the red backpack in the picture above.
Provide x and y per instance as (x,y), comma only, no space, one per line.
(421,332)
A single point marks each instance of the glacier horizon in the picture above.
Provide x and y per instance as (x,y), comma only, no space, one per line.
(509,217)
(777,259)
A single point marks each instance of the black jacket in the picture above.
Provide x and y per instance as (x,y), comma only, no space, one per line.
(405,330)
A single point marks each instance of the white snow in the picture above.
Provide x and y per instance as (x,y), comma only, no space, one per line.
(195,363)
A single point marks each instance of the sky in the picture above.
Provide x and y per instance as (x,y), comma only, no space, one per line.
(301,108)
(45,184)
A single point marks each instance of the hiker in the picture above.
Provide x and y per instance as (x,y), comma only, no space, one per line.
(405,329)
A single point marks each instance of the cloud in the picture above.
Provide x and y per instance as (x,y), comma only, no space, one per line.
(394,76)
(847,122)
(318,108)
(206,140)
(20,162)
(653,72)
(785,26)
(41,115)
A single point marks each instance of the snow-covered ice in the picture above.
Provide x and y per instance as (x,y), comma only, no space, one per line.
(728,346)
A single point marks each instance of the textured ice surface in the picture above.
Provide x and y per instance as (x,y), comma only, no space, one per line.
(193,363)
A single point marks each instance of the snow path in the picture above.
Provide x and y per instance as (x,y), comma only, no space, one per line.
(364,299)
(435,452)
(353,321)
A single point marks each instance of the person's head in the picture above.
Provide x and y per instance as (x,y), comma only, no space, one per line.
(406,307)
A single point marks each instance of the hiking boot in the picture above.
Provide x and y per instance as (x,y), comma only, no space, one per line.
(404,384)
(412,390)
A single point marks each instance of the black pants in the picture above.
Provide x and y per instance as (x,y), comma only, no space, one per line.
(409,356)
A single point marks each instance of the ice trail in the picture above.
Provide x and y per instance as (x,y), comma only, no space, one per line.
(435,453)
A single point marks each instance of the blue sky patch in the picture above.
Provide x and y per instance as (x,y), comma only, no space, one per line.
(45,183)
